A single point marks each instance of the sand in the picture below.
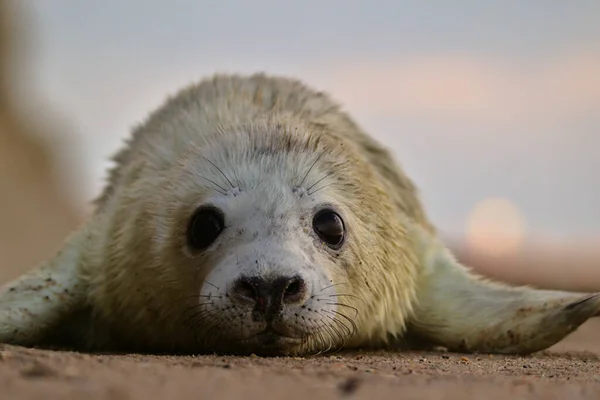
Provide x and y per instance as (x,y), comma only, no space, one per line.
(569,370)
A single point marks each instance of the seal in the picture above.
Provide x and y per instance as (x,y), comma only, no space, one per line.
(251,214)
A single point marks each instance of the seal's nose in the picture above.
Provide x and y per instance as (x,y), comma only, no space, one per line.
(270,295)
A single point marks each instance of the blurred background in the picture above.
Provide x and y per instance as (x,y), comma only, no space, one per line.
(493,108)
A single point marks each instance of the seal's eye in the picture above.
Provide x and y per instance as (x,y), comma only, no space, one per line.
(205,226)
(330,228)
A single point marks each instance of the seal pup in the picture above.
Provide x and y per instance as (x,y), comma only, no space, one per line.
(250,214)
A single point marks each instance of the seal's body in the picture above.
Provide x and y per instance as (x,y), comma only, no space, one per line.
(252,215)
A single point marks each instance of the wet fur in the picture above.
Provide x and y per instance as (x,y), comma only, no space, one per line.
(124,281)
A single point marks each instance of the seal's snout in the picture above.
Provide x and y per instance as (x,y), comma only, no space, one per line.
(270,296)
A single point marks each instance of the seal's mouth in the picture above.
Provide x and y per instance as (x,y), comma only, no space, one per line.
(271,343)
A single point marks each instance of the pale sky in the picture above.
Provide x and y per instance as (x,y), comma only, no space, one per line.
(476,99)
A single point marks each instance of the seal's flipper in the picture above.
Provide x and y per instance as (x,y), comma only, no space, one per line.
(39,300)
(461,311)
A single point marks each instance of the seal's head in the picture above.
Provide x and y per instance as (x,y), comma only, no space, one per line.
(269,239)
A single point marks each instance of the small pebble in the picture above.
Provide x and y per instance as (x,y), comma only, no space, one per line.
(349,386)
(37,370)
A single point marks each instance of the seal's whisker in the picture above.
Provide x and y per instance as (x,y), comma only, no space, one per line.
(207,312)
(347,318)
(207,338)
(320,188)
(237,178)
(220,170)
(311,334)
(352,296)
(340,335)
(216,287)
(204,312)
(342,338)
(345,305)
(319,181)
(198,305)
(210,296)
(214,336)
(331,298)
(331,340)
(194,306)
(311,167)
(329,333)
(209,323)
(221,190)
(320,339)
(331,328)
(339,322)
(335,284)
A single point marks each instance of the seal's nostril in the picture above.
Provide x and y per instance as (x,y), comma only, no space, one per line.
(246,289)
(294,290)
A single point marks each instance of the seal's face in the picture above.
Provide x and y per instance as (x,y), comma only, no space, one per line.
(269,284)
(268,238)
(263,237)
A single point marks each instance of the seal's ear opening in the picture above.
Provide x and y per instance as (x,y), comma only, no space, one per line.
(35,304)
(461,311)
